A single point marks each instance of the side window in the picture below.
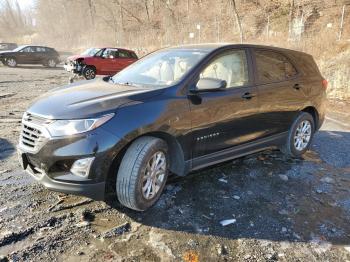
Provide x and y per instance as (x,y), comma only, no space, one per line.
(124,54)
(273,67)
(110,53)
(28,49)
(41,49)
(231,67)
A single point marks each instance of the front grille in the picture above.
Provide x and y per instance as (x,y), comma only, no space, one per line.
(33,133)
(31,136)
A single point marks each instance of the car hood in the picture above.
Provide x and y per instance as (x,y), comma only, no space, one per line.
(87,99)
(5,52)
(75,57)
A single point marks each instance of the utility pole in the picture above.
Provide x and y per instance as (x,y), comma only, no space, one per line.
(217,29)
(121,22)
(199,32)
(268,27)
(341,23)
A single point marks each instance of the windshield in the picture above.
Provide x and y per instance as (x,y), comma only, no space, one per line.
(91,51)
(160,69)
(19,48)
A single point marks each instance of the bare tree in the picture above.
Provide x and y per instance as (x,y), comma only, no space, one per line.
(238,20)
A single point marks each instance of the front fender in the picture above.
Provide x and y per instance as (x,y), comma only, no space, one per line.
(160,115)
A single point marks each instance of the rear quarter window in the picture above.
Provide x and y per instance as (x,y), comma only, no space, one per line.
(133,55)
(273,66)
(126,54)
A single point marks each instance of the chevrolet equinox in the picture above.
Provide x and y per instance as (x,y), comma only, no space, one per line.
(176,110)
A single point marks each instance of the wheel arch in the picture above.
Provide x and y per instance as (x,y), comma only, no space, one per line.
(312,111)
(176,155)
(92,66)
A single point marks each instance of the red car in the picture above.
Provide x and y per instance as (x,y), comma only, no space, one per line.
(100,61)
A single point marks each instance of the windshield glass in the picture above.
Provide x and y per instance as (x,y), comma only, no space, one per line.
(19,48)
(91,51)
(160,69)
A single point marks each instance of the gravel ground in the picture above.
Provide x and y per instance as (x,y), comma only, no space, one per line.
(281,209)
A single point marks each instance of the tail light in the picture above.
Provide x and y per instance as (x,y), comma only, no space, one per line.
(324,83)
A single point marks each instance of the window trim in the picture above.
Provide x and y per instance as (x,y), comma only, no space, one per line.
(256,75)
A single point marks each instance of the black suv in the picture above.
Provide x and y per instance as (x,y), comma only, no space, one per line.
(29,54)
(176,110)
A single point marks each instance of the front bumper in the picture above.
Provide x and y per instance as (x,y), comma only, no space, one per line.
(52,163)
(73,67)
(94,191)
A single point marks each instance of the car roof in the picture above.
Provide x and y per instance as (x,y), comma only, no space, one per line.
(24,46)
(119,48)
(214,46)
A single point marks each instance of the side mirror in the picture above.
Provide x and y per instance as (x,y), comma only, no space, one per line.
(210,85)
(107,78)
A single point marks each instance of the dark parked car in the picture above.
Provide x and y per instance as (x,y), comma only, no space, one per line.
(100,61)
(176,110)
(30,54)
(7,46)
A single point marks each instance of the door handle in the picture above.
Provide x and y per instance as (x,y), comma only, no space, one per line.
(297,86)
(248,95)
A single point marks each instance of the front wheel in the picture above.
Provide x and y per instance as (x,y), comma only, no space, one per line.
(300,135)
(142,173)
(11,62)
(89,73)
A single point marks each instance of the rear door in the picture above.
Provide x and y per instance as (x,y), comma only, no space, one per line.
(281,93)
(40,54)
(223,119)
(124,59)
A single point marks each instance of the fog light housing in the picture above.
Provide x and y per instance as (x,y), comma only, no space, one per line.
(81,167)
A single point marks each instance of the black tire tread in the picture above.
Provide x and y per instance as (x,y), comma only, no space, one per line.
(129,171)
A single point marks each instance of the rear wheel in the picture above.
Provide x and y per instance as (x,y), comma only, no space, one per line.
(142,173)
(11,62)
(51,63)
(300,135)
(89,72)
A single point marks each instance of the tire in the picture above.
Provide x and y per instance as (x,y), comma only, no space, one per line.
(131,185)
(291,147)
(50,63)
(11,62)
(89,72)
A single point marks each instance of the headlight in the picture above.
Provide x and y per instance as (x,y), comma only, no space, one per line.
(72,127)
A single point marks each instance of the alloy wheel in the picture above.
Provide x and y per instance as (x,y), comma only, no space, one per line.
(302,135)
(90,74)
(154,175)
(11,62)
(52,63)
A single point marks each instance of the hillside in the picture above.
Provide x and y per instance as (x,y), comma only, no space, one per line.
(313,26)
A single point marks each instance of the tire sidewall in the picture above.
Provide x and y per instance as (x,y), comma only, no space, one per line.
(303,116)
(143,203)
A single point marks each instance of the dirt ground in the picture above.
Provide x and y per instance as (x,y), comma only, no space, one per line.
(284,209)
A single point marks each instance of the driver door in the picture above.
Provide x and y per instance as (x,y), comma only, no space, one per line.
(26,55)
(108,61)
(227,117)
